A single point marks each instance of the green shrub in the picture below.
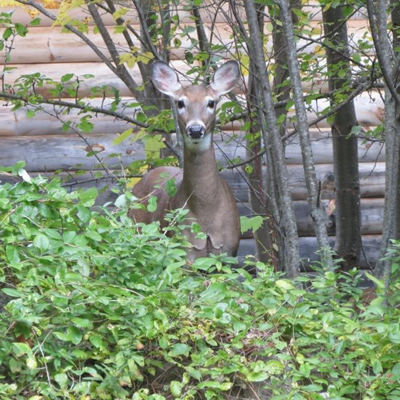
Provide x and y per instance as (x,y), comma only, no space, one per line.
(93,309)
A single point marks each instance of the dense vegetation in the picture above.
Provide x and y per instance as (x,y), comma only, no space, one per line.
(94,309)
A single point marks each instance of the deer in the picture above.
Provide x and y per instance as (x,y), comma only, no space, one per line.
(199,187)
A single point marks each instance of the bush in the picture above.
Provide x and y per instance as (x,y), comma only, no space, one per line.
(95,310)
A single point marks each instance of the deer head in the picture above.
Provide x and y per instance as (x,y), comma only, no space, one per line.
(196,104)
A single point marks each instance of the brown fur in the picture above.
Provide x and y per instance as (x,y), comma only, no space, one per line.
(200,189)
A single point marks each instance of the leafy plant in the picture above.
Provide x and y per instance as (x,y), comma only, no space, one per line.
(95,308)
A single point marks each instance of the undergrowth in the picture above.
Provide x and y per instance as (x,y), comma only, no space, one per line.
(94,309)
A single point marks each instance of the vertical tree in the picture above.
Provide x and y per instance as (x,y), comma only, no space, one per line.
(345,151)
(317,212)
(291,250)
(388,60)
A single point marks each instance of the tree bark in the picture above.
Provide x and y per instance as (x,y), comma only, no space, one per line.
(386,55)
(396,43)
(317,212)
(266,235)
(289,221)
(345,147)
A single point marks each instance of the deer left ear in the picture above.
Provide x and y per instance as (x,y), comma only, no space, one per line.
(225,78)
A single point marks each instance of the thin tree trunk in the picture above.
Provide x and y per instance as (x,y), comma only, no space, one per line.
(345,153)
(392,128)
(396,43)
(257,195)
(281,72)
(289,221)
(317,213)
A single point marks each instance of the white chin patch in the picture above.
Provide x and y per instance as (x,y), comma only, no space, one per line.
(198,144)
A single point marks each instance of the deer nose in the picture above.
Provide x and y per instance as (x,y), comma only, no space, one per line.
(195,131)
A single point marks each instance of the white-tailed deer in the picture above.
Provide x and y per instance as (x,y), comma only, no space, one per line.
(200,188)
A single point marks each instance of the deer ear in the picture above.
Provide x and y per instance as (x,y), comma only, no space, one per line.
(165,79)
(225,78)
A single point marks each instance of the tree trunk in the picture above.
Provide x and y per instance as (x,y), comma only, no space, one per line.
(317,212)
(396,43)
(266,235)
(289,221)
(345,152)
(386,56)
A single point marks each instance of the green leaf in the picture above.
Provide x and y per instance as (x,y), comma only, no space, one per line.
(19,349)
(85,125)
(124,135)
(176,388)
(67,77)
(312,388)
(377,367)
(209,384)
(30,113)
(36,22)
(21,29)
(152,204)
(153,144)
(94,236)
(170,187)
(74,334)
(257,376)
(97,342)
(284,284)
(84,214)
(88,197)
(61,379)
(41,242)
(377,282)
(7,33)
(31,362)
(12,255)
(12,292)
(180,349)
(253,223)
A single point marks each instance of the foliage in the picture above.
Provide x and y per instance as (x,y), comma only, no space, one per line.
(95,309)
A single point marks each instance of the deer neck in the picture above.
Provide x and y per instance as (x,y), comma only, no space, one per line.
(201,179)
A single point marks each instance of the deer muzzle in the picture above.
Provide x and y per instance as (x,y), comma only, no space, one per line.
(196,131)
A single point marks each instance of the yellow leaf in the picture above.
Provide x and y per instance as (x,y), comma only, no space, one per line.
(65,6)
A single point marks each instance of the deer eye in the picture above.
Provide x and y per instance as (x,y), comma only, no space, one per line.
(181,104)
(211,104)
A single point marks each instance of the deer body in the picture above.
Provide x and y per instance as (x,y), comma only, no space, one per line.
(200,189)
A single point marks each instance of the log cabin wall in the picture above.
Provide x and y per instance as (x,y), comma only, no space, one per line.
(41,142)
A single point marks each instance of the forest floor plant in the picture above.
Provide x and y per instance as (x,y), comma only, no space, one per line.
(92,308)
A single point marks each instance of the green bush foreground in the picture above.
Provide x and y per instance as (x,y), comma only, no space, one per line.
(95,310)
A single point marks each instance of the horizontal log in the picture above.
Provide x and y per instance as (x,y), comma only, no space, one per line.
(321,145)
(308,247)
(52,153)
(71,150)
(52,45)
(97,78)
(47,120)
(372,181)
(371,217)
(208,11)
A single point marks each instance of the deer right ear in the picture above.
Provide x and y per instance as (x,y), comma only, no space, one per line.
(165,79)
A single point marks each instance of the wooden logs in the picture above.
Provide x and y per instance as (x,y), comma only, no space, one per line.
(47,121)
(52,45)
(210,11)
(51,153)
(372,181)
(308,247)
(67,151)
(321,145)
